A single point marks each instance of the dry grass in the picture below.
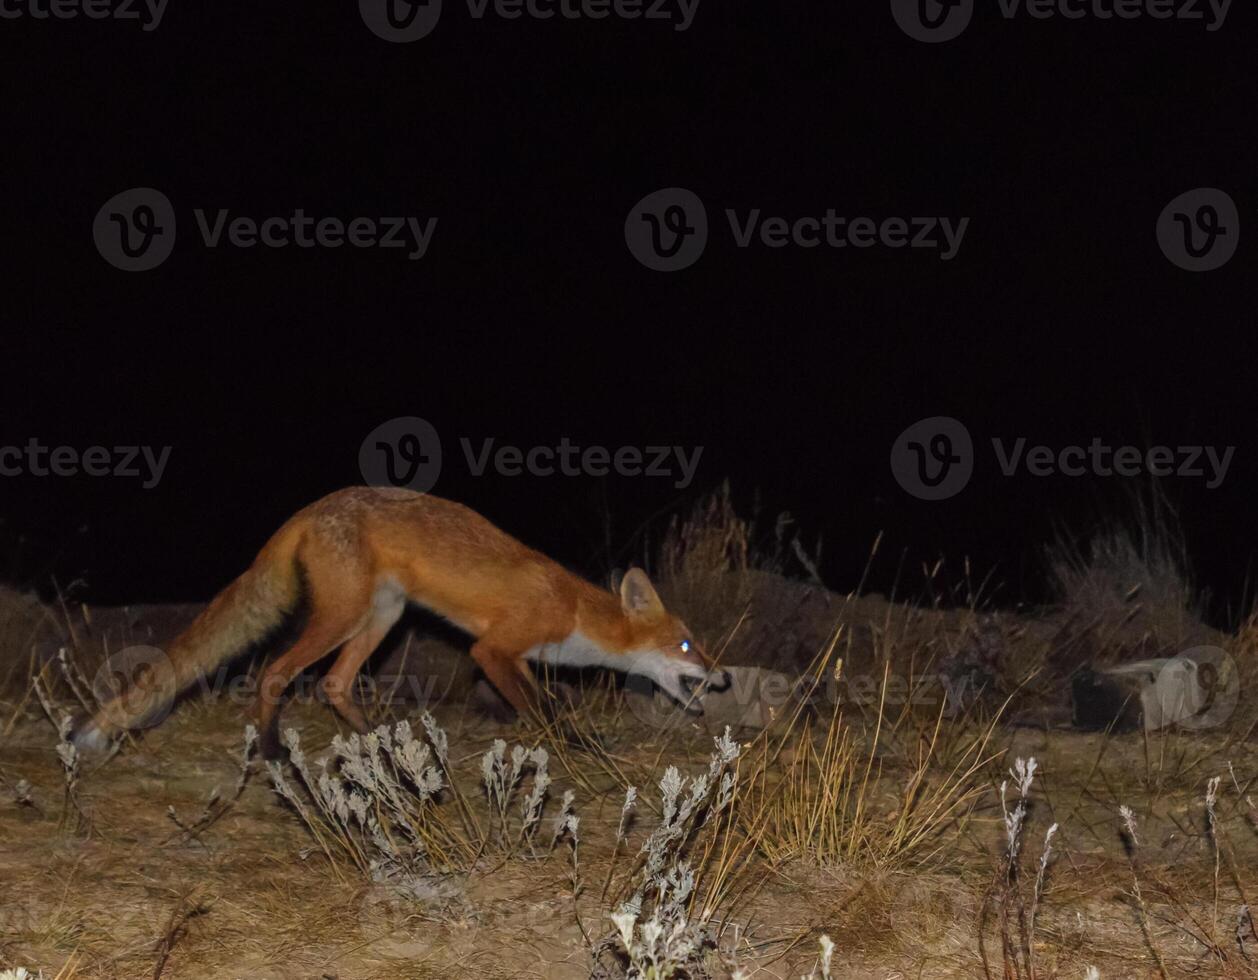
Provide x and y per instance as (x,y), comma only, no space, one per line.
(820,789)
(793,855)
(1125,591)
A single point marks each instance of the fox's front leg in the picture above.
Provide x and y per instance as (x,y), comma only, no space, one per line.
(510,675)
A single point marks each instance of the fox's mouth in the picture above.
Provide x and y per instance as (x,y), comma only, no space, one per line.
(690,690)
(685,683)
(717,680)
(694,688)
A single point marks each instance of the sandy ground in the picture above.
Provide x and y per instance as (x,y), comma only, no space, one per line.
(108,885)
(119,891)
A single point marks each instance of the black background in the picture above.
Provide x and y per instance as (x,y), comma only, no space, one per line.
(1060,320)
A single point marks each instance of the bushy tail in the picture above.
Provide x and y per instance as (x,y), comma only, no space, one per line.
(241,615)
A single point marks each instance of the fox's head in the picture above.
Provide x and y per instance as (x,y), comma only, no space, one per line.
(663,648)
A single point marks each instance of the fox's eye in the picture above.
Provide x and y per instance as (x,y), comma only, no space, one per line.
(685,646)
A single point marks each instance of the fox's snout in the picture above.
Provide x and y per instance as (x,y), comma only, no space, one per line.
(692,682)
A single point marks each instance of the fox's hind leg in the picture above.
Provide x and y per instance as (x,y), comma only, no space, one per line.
(338,682)
(327,629)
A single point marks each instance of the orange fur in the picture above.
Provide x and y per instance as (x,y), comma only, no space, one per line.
(361,554)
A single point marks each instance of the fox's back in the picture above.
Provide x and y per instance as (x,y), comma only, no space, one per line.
(445,555)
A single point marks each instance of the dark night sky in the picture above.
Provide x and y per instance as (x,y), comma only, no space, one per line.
(528,320)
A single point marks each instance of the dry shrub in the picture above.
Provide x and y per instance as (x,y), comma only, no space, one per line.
(703,563)
(1125,591)
(688,869)
(815,785)
(711,539)
(372,804)
(822,789)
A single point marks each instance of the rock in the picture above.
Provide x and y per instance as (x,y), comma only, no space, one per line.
(1194,690)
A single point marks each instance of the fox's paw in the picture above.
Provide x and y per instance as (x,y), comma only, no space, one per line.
(492,704)
(269,744)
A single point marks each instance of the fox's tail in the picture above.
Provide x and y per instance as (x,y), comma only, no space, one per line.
(242,614)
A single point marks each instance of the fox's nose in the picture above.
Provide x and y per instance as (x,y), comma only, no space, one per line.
(719,680)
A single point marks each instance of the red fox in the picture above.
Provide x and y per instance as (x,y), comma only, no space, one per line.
(357,556)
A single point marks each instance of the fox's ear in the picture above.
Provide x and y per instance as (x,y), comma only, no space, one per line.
(638,595)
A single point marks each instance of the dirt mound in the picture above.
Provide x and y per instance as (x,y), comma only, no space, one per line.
(750,618)
(27,629)
(765,620)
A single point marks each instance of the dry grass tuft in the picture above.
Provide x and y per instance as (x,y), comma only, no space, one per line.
(1125,591)
(819,789)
